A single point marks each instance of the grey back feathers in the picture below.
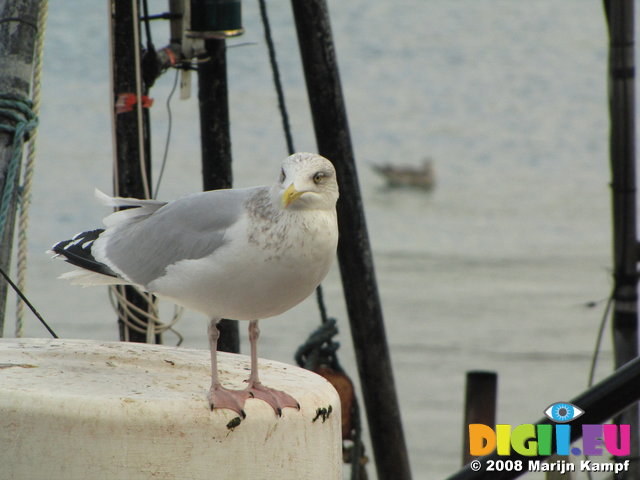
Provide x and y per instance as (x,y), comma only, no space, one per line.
(192,227)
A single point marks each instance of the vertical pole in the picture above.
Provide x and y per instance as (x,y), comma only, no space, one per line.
(621,77)
(129,177)
(17,47)
(354,252)
(216,146)
(479,405)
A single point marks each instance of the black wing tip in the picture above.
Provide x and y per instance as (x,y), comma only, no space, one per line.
(77,251)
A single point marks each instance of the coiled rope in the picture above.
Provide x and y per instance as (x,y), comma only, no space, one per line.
(140,320)
(16,118)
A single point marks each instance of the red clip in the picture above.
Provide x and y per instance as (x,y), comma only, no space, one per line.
(126,101)
(170,55)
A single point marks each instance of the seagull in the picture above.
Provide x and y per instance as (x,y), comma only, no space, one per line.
(245,254)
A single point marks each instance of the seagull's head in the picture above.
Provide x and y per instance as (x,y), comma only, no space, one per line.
(307,181)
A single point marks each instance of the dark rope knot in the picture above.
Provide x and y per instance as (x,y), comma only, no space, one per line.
(17,117)
(320,349)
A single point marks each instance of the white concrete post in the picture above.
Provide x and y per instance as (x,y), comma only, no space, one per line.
(73,410)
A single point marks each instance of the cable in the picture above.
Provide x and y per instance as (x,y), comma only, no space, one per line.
(138,80)
(27,303)
(168,140)
(147,23)
(596,352)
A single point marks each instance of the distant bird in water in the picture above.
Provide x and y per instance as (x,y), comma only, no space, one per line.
(243,254)
(407,176)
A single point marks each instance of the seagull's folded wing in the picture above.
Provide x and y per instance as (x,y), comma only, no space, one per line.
(140,243)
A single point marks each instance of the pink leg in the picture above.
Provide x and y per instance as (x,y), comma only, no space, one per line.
(276,398)
(220,397)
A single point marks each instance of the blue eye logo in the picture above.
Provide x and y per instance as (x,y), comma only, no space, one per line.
(563,412)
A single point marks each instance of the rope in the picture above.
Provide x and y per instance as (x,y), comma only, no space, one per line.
(148,320)
(143,321)
(133,317)
(139,115)
(27,178)
(320,350)
(16,118)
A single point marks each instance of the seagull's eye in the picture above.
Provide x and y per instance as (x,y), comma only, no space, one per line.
(282,175)
(318,177)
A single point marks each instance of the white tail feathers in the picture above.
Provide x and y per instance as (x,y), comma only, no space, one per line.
(108,201)
(144,208)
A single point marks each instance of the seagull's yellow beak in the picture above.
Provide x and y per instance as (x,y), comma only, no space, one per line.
(290,195)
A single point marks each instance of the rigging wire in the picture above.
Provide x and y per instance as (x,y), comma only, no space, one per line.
(284,114)
(276,77)
(320,346)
